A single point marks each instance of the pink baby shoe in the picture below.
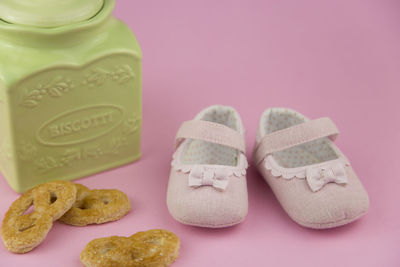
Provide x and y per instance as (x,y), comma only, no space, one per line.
(207,185)
(308,174)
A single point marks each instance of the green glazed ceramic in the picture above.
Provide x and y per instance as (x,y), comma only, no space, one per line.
(48,13)
(70,91)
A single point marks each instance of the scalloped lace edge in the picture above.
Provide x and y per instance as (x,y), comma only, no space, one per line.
(238,171)
(300,172)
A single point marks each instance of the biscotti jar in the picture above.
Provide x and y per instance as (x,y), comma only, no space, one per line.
(70,90)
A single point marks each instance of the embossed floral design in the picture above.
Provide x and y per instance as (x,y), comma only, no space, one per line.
(27,150)
(99,76)
(131,124)
(56,88)
(46,163)
(77,154)
(117,143)
(122,74)
(96,77)
(71,156)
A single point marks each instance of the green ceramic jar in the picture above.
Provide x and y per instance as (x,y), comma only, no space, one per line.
(70,90)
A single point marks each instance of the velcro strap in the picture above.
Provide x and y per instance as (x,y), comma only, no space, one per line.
(295,135)
(210,132)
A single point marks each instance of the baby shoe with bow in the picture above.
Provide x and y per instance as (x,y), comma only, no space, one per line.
(207,185)
(310,177)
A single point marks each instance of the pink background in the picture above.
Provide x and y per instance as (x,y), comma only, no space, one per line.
(323,58)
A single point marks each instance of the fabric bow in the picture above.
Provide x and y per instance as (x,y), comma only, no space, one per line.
(201,176)
(318,177)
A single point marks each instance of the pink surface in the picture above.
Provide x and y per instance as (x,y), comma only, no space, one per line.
(323,58)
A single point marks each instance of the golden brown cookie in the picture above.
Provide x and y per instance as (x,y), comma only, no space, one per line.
(96,206)
(21,232)
(154,248)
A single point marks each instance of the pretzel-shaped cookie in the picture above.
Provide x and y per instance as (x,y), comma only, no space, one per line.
(96,206)
(22,232)
(154,248)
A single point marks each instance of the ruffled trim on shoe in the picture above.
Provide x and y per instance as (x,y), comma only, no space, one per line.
(238,171)
(300,172)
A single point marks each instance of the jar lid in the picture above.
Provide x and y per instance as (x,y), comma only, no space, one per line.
(48,13)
